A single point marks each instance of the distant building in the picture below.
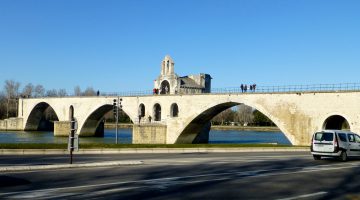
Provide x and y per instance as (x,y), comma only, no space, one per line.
(170,83)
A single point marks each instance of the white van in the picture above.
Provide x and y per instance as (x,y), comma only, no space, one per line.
(335,143)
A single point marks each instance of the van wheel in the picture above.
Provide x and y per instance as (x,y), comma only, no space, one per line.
(317,157)
(343,156)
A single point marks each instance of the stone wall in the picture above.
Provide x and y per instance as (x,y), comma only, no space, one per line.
(11,124)
(149,134)
(61,128)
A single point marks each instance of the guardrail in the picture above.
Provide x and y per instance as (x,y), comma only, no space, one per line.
(293,88)
(340,87)
(263,89)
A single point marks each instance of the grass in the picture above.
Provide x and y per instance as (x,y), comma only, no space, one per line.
(100,145)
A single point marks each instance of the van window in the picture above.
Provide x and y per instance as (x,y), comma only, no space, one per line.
(357,138)
(324,136)
(342,136)
(351,138)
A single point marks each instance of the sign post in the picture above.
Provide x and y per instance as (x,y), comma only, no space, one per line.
(73,143)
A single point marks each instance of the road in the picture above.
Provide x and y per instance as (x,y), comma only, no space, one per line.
(282,175)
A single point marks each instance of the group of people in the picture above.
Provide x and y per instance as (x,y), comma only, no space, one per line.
(155,91)
(161,91)
(245,87)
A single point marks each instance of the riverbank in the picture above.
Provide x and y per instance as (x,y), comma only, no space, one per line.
(213,127)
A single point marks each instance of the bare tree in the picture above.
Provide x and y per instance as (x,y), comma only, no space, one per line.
(77,91)
(225,116)
(89,92)
(62,93)
(28,90)
(12,92)
(51,93)
(39,91)
(3,104)
(245,114)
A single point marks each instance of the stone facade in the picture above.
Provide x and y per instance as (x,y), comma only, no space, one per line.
(149,134)
(11,124)
(61,128)
(170,83)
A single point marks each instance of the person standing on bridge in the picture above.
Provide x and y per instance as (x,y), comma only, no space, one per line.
(245,88)
(242,88)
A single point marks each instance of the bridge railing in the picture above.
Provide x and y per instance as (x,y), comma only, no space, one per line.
(292,88)
(258,89)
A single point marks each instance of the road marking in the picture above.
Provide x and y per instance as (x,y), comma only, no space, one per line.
(179,179)
(305,196)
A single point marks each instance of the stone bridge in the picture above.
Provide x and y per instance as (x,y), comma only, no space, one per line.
(185,118)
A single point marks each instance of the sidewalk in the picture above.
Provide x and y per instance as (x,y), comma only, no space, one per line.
(150,150)
(65,166)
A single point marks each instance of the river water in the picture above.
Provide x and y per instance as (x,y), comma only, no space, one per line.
(125,137)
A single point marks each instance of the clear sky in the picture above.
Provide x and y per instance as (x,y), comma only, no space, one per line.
(118,45)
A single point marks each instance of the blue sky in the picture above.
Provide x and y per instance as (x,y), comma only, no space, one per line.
(118,45)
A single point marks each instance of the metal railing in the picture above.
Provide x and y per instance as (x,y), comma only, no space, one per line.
(340,87)
(292,88)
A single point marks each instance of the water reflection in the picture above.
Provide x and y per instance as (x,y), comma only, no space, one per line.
(125,137)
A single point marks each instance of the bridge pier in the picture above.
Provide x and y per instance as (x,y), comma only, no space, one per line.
(61,128)
(149,133)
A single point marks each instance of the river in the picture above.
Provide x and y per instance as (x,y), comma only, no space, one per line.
(125,137)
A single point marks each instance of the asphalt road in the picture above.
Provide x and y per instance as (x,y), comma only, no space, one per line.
(286,175)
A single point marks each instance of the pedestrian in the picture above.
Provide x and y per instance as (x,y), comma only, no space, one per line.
(251,87)
(245,88)
(154,91)
(149,118)
(254,86)
(242,88)
(98,93)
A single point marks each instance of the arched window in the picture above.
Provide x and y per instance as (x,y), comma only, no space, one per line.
(174,110)
(165,87)
(141,111)
(157,112)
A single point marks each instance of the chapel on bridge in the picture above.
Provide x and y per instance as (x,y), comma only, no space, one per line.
(170,83)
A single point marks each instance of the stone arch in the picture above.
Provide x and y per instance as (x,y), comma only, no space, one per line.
(93,125)
(157,112)
(197,128)
(38,121)
(174,110)
(337,122)
(141,111)
(165,87)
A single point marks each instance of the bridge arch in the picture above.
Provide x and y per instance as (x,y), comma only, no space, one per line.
(336,121)
(200,122)
(93,125)
(38,120)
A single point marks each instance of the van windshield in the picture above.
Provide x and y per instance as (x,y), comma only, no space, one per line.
(324,136)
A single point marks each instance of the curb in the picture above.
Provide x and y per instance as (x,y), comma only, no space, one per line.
(150,150)
(66,166)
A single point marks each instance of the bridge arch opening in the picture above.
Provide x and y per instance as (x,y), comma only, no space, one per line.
(157,112)
(165,87)
(174,110)
(141,111)
(336,122)
(41,118)
(197,130)
(94,124)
